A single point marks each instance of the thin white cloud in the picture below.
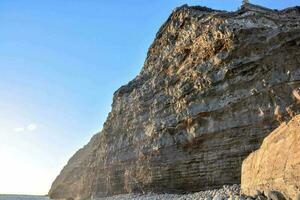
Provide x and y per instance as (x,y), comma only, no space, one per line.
(29,128)
(19,129)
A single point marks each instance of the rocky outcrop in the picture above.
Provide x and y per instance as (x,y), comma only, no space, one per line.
(276,165)
(213,85)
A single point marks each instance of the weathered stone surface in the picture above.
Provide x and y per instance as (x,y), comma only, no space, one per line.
(213,85)
(276,165)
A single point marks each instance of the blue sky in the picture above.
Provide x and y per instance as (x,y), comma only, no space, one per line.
(60,62)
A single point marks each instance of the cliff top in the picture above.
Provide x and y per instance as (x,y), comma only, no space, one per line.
(185,13)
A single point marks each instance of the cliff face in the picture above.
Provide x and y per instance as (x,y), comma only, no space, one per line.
(213,85)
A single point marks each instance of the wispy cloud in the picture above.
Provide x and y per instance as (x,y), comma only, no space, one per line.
(19,129)
(29,128)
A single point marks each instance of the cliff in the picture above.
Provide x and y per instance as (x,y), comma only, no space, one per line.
(213,85)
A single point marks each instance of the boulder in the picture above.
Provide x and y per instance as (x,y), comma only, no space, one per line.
(275,167)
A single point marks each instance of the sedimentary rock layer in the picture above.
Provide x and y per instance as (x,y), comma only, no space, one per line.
(213,85)
(276,165)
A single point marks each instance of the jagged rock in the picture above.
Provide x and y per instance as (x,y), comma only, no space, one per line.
(205,98)
(275,167)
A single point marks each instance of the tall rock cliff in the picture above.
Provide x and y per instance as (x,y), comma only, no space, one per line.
(213,85)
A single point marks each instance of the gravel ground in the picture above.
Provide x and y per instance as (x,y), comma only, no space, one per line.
(227,192)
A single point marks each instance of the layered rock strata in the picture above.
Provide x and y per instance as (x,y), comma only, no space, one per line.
(213,85)
(276,165)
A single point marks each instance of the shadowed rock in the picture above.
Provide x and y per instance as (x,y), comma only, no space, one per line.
(275,195)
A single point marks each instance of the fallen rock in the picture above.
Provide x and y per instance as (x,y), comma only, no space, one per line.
(221,193)
(218,197)
(275,195)
(275,167)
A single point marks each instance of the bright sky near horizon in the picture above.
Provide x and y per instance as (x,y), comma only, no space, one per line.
(60,62)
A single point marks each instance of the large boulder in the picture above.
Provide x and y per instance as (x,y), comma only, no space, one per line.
(276,165)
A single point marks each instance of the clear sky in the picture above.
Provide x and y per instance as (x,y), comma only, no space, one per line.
(60,62)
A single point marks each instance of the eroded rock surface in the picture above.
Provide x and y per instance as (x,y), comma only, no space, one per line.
(213,85)
(276,165)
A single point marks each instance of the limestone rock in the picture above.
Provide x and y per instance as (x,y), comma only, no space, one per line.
(213,85)
(275,167)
